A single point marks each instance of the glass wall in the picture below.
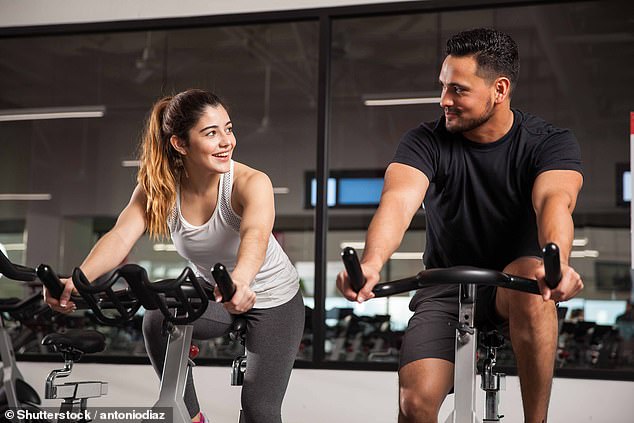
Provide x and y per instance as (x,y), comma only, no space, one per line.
(565,49)
(576,60)
(267,75)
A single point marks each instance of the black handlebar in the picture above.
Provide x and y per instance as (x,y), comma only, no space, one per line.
(455,275)
(100,295)
(223,279)
(15,271)
(185,293)
(353,267)
(552,266)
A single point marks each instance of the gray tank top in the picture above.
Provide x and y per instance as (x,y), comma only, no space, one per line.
(217,241)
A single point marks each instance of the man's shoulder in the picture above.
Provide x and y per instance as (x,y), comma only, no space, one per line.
(431,130)
(538,127)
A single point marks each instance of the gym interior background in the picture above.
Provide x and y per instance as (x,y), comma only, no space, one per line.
(301,82)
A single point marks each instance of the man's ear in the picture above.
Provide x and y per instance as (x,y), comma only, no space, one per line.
(502,89)
(178,145)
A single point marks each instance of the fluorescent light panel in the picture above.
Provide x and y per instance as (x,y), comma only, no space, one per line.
(130,163)
(281,190)
(401,98)
(12,115)
(580,242)
(25,197)
(401,101)
(15,247)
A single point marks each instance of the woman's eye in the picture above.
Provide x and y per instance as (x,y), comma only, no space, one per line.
(229,130)
(211,134)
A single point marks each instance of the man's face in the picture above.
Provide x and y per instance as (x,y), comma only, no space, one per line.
(467,99)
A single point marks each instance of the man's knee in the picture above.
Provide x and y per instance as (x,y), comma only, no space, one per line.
(423,386)
(418,406)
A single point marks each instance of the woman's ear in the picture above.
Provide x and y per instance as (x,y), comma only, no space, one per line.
(178,145)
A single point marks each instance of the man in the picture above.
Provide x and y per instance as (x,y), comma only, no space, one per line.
(498,184)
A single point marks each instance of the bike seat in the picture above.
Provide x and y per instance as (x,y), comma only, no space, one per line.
(76,341)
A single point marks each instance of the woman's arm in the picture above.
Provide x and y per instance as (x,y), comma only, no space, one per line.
(252,199)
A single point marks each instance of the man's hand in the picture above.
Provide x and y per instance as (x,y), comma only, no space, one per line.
(569,285)
(372,277)
(63,305)
(241,302)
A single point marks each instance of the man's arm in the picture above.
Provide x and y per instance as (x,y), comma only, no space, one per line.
(403,192)
(554,199)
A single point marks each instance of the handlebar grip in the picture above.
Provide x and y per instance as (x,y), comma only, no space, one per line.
(223,280)
(552,265)
(50,279)
(353,267)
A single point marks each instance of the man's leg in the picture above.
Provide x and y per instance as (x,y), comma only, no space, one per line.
(427,354)
(533,330)
(423,386)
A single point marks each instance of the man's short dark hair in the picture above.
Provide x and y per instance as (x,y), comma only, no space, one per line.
(494,51)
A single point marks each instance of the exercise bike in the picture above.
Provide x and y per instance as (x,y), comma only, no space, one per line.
(466,332)
(181,301)
(15,392)
(72,345)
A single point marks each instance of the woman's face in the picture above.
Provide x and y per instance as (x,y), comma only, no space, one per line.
(211,141)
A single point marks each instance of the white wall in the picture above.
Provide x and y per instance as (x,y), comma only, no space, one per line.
(48,12)
(318,396)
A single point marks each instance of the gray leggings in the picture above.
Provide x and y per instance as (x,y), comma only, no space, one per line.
(273,337)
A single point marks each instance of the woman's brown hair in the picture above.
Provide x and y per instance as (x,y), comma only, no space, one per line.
(160,164)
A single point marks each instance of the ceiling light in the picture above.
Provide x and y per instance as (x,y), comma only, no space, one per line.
(580,242)
(25,197)
(357,245)
(401,99)
(584,253)
(15,247)
(12,115)
(281,190)
(130,163)
(407,256)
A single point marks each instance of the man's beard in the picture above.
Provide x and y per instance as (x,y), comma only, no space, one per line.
(470,124)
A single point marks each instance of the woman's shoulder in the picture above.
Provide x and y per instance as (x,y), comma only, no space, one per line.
(247,177)
(245,174)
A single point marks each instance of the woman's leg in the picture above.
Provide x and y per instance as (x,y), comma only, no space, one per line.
(214,323)
(273,337)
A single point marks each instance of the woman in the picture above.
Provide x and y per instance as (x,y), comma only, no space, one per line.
(216,210)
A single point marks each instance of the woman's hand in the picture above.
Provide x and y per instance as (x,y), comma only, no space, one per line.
(241,302)
(63,305)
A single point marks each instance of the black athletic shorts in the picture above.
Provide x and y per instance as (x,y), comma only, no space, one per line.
(429,333)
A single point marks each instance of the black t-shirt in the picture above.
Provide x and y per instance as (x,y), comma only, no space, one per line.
(478,206)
